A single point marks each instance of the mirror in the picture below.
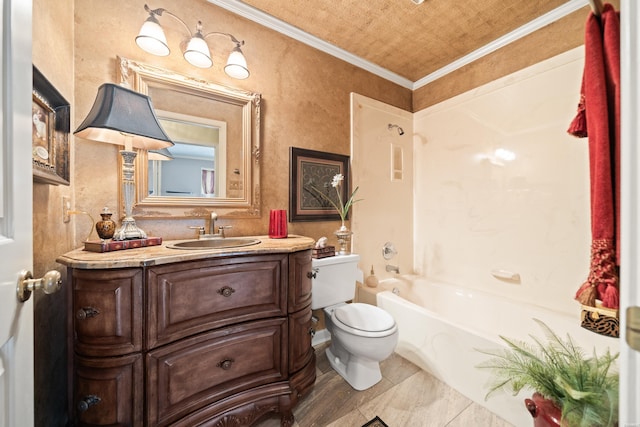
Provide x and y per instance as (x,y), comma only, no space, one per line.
(198,160)
(214,165)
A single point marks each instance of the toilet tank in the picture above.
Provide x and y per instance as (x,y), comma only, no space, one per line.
(335,280)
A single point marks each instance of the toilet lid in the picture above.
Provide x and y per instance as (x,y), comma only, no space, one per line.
(364,317)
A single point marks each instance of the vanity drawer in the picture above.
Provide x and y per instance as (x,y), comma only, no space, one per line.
(300,335)
(190,298)
(195,372)
(108,391)
(107,311)
(299,280)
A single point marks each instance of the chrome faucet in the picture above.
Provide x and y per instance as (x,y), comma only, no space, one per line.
(393,268)
(212,228)
(212,223)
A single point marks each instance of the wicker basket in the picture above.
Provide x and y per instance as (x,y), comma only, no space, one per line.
(601,320)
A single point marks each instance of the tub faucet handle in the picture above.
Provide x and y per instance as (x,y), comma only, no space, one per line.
(389,251)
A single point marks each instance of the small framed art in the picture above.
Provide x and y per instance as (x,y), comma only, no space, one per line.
(49,133)
(311,173)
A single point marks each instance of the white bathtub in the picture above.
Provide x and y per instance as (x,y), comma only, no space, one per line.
(441,325)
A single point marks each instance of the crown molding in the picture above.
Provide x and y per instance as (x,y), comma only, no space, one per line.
(518,33)
(259,17)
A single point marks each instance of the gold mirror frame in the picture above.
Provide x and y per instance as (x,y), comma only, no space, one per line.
(140,77)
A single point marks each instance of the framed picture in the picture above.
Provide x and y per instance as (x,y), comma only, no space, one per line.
(208,182)
(49,133)
(311,173)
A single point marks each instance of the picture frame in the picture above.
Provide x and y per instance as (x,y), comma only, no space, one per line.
(310,168)
(207,182)
(50,133)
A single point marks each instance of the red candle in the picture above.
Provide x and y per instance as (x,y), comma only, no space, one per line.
(278,224)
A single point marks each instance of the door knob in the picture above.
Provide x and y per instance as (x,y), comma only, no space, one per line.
(51,282)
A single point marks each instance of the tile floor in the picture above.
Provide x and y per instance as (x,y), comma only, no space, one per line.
(406,397)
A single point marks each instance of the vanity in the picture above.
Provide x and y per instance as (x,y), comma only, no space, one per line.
(164,336)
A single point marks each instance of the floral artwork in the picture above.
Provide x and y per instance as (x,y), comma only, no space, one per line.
(341,207)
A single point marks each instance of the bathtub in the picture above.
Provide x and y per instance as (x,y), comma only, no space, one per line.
(441,325)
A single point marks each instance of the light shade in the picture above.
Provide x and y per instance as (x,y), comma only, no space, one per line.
(236,65)
(124,117)
(162,154)
(197,52)
(118,111)
(151,37)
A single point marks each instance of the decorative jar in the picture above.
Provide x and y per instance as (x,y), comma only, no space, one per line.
(106,227)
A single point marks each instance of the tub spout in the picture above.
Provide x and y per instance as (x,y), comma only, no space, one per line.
(393,268)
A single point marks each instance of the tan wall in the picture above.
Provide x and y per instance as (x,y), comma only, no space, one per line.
(53,56)
(305,100)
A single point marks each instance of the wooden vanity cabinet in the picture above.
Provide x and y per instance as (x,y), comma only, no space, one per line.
(219,341)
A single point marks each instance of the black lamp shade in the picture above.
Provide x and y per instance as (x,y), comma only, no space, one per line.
(117,111)
(162,154)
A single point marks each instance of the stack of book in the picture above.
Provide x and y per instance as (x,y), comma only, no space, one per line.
(323,252)
(118,245)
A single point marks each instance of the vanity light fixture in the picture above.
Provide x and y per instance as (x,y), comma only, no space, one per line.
(124,117)
(152,39)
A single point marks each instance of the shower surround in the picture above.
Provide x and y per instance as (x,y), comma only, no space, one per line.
(498,207)
(501,189)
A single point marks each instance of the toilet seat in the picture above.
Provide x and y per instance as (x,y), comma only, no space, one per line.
(364,320)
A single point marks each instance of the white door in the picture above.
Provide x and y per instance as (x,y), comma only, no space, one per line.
(16,319)
(630,209)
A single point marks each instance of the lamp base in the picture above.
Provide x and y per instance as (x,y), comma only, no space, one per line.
(129,230)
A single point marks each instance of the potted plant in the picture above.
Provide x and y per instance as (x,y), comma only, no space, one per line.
(583,388)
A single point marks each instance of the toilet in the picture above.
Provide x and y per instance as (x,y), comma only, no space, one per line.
(362,335)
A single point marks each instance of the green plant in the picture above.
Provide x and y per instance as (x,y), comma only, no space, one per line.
(584,388)
(342,208)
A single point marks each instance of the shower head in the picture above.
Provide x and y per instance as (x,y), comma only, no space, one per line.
(400,130)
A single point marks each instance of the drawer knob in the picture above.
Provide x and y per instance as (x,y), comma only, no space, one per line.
(87,402)
(86,313)
(226,291)
(312,332)
(312,274)
(225,364)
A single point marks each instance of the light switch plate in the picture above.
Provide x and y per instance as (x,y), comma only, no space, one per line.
(66,207)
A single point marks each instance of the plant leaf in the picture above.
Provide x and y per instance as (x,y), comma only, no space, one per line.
(586,388)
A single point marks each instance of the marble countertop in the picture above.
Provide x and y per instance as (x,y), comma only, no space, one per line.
(161,254)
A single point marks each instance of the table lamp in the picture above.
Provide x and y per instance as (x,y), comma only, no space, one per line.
(124,117)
